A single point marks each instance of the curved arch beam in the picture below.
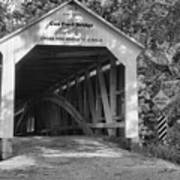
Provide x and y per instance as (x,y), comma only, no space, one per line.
(66,105)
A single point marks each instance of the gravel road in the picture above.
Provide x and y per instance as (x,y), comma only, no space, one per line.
(80,158)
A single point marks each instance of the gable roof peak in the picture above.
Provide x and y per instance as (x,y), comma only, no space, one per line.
(87,10)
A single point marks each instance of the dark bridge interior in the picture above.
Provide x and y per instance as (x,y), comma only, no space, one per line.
(71,72)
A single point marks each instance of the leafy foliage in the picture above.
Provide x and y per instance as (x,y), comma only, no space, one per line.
(162,151)
(151,22)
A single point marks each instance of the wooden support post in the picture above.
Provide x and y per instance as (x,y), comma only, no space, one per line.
(70,99)
(104,97)
(21,118)
(7,102)
(112,84)
(66,115)
(91,98)
(74,101)
(5,148)
(78,92)
(63,123)
(98,109)
(80,98)
(85,102)
(131,102)
(39,117)
(98,105)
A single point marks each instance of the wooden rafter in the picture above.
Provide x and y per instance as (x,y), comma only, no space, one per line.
(112,125)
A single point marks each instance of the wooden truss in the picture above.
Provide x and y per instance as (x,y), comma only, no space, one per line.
(93,100)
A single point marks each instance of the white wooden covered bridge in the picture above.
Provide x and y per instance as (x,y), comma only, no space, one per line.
(69,71)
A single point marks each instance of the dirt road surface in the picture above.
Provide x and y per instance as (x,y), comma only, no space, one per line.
(80,158)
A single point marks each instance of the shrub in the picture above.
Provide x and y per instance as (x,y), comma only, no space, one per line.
(156,149)
(166,152)
(174,136)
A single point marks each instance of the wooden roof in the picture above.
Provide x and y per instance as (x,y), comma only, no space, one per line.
(112,27)
(44,66)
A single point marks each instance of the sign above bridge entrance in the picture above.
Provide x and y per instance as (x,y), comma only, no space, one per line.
(71,27)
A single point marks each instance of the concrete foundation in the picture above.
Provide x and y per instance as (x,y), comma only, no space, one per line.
(5,148)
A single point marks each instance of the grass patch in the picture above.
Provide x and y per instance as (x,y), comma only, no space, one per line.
(167,152)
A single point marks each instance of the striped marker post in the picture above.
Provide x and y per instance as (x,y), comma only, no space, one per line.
(162,128)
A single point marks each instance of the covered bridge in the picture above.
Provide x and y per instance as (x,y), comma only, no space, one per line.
(69,71)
